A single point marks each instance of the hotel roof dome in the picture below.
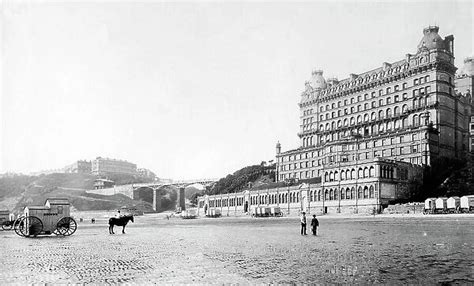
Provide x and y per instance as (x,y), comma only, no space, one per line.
(431,39)
(317,80)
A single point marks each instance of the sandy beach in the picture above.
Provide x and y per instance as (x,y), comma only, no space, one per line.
(394,249)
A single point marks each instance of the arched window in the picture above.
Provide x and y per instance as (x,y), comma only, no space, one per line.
(321,127)
(348,194)
(389,112)
(366,117)
(326,195)
(336,194)
(353,174)
(360,173)
(371,192)
(331,195)
(404,122)
(339,123)
(359,193)
(416,121)
(366,172)
(353,193)
(359,119)
(352,121)
(327,126)
(380,114)
(396,111)
(333,125)
(319,196)
(373,116)
(331,176)
(366,192)
(336,174)
(345,122)
(397,124)
(343,175)
(372,171)
(343,197)
(381,127)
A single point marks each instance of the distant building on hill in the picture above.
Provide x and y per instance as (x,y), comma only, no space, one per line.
(105,166)
(103,184)
(80,166)
(145,173)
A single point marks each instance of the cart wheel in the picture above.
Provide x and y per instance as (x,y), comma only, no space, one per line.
(31,226)
(66,226)
(17,224)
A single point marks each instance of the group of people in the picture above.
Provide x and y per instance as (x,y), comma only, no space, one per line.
(314,224)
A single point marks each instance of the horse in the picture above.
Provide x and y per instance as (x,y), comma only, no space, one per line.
(122,221)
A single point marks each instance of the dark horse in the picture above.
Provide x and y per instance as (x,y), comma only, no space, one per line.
(122,221)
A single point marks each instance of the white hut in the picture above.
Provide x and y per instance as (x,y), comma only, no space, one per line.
(467,203)
(441,204)
(453,203)
(429,204)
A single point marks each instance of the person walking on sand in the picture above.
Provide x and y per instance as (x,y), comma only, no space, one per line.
(314,225)
(303,224)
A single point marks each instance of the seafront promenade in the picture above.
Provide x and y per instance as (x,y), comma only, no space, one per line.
(396,249)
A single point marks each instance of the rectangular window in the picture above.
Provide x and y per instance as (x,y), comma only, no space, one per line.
(395,98)
(415,81)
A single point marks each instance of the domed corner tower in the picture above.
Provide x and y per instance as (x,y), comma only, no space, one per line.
(317,80)
(431,40)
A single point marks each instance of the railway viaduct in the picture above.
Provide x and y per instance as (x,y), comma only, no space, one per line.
(152,192)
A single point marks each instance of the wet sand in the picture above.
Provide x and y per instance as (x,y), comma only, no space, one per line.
(362,249)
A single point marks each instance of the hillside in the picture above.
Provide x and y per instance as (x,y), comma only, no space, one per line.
(16,192)
(250,177)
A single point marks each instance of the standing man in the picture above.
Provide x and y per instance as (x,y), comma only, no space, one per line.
(314,225)
(303,224)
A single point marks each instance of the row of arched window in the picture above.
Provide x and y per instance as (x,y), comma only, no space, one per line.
(373,129)
(349,174)
(381,114)
(365,192)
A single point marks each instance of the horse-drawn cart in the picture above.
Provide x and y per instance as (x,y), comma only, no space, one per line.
(53,217)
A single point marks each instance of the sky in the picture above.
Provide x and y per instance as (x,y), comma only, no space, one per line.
(188,90)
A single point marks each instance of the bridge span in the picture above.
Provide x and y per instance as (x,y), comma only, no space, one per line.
(152,193)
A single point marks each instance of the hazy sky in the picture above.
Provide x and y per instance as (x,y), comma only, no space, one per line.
(188,90)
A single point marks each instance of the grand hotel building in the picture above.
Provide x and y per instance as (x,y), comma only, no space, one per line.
(365,138)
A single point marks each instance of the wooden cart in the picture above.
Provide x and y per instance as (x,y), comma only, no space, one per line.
(53,217)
